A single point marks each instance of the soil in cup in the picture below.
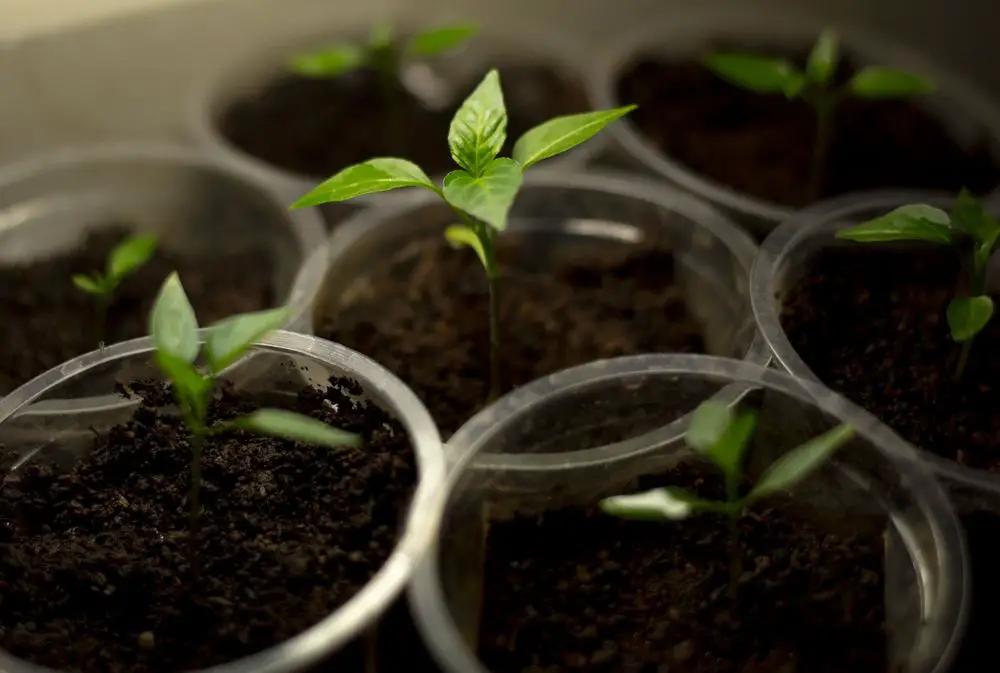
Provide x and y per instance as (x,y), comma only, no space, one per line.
(95,573)
(762,145)
(426,317)
(316,127)
(575,589)
(45,320)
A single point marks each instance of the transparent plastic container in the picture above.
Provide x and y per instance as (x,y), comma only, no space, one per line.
(783,260)
(277,369)
(194,203)
(876,483)
(968,112)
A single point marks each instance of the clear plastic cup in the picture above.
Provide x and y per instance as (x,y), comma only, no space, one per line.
(782,262)
(278,362)
(876,483)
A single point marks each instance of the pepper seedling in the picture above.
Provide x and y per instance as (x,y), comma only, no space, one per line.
(124,259)
(722,436)
(482,190)
(968,221)
(174,330)
(816,86)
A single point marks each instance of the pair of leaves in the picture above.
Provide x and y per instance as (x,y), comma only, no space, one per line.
(126,258)
(340,59)
(722,436)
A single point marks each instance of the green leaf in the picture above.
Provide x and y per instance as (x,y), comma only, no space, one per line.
(129,255)
(190,387)
(728,452)
(172,323)
(298,428)
(94,286)
(967,316)
(563,133)
(794,85)
(969,215)
(382,37)
(479,128)
(437,40)
(708,425)
(882,83)
(330,62)
(459,234)
(659,503)
(799,463)
(756,73)
(907,223)
(823,58)
(488,197)
(370,177)
(228,339)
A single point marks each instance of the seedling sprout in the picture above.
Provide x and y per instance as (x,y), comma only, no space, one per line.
(174,330)
(124,259)
(722,436)
(816,85)
(482,190)
(968,221)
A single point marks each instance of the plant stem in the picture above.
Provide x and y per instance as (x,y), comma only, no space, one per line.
(824,106)
(103,303)
(194,498)
(493,281)
(979,264)
(963,359)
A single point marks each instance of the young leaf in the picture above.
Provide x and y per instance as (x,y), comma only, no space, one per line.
(89,285)
(190,387)
(728,452)
(382,37)
(756,73)
(657,504)
(370,177)
(969,215)
(331,62)
(172,323)
(129,255)
(799,463)
(708,425)
(230,338)
(823,58)
(488,197)
(459,234)
(479,128)
(876,82)
(298,428)
(967,316)
(907,223)
(437,40)
(563,133)
(794,85)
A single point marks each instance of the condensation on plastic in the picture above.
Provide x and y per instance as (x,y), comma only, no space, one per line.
(783,261)
(968,112)
(875,484)
(277,369)
(194,203)
(569,217)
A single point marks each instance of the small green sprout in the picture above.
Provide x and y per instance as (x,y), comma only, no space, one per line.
(816,86)
(723,436)
(482,190)
(125,259)
(967,316)
(174,330)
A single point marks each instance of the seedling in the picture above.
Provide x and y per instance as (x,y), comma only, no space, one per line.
(968,221)
(483,189)
(816,86)
(125,259)
(722,436)
(174,330)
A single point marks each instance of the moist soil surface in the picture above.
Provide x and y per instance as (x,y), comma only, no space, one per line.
(316,127)
(762,145)
(45,320)
(96,557)
(428,321)
(577,590)
(871,325)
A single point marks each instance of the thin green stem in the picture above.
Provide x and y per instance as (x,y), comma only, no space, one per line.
(493,281)
(824,105)
(978,274)
(963,359)
(103,304)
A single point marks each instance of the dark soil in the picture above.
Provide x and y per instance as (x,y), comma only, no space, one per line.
(317,127)
(576,590)
(428,321)
(94,558)
(871,324)
(45,320)
(983,535)
(762,145)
